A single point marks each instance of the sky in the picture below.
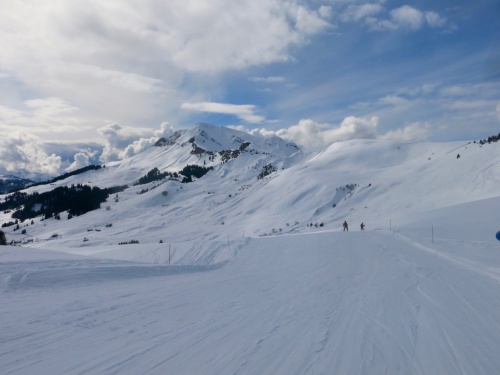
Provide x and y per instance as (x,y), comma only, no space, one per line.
(85,82)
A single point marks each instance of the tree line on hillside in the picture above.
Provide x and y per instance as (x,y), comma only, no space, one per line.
(69,174)
(493,138)
(77,200)
(186,173)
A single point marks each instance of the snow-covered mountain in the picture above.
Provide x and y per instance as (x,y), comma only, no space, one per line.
(10,183)
(246,269)
(264,186)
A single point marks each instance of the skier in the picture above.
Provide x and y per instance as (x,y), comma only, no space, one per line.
(362,225)
(346,227)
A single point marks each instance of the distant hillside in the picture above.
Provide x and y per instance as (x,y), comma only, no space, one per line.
(12,183)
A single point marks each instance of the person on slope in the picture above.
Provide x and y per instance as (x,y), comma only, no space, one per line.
(346,227)
(362,225)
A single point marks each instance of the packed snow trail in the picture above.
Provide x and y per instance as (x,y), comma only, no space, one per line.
(339,303)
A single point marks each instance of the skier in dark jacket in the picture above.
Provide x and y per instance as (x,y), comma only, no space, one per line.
(346,227)
(362,225)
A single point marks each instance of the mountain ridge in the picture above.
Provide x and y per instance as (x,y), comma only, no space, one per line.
(266,186)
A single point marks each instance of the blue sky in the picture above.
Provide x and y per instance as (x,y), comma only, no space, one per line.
(91,81)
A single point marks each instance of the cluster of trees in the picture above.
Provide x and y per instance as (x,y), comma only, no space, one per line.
(155,175)
(193,170)
(77,200)
(493,138)
(131,242)
(187,174)
(12,184)
(10,223)
(266,170)
(161,142)
(69,174)
(348,187)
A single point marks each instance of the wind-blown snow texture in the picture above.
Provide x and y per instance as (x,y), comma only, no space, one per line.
(417,292)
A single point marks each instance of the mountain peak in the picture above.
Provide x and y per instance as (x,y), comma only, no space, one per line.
(215,138)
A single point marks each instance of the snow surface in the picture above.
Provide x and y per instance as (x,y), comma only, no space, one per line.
(244,285)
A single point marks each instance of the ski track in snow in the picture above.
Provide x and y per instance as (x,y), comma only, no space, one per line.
(347,303)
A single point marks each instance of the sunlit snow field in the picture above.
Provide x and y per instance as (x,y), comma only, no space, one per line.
(416,292)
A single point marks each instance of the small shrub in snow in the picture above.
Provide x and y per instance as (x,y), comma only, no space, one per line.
(129,242)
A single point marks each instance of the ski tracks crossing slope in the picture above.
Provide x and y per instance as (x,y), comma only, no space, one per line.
(360,303)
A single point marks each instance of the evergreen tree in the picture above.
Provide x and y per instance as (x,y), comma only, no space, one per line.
(3,239)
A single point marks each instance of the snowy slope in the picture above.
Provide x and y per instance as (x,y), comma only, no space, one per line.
(360,303)
(243,284)
(376,182)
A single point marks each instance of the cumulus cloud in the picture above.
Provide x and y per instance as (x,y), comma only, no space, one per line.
(312,135)
(120,143)
(20,151)
(434,19)
(115,141)
(355,13)
(406,17)
(166,130)
(81,160)
(245,112)
(127,61)
(415,131)
(265,31)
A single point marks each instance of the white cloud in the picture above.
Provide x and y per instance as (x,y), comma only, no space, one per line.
(434,20)
(355,13)
(393,100)
(312,135)
(166,130)
(20,151)
(116,141)
(325,11)
(120,143)
(407,17)
(424,89)
(272,79)
(245,112)
(127,61)
(265,31)
(413,132)
(81,160)
(41,116)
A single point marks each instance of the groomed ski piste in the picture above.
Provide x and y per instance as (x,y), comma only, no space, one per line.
(416,292)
